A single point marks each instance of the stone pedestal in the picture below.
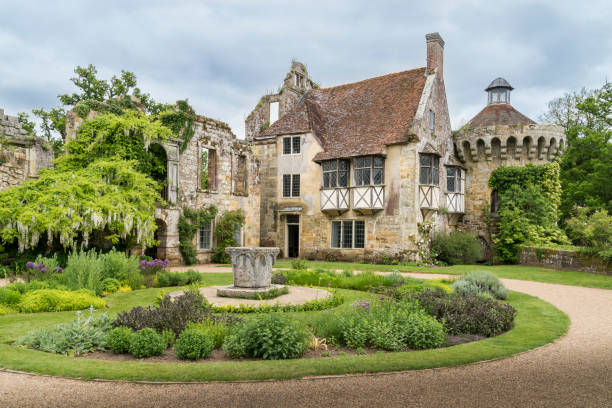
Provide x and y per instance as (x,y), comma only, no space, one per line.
(252,268)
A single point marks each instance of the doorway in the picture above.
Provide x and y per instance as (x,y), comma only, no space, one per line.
(293,236)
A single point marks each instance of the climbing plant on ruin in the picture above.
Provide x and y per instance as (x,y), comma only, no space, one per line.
(224,234)
(189,223)
(106,195)
(529,208)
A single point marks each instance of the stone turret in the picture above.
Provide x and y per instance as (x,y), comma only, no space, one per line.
(272,106)
(499,135)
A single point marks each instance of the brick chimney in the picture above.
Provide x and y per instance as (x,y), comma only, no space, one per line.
(435,53)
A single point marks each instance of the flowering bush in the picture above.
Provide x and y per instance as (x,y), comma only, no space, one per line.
(151,268)
(41,268)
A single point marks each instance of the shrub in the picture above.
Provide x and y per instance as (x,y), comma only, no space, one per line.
(119,339)
(422,331)
(456,248)
(174,314)
(166,278)
(9,296)
(168,336)
(486,282)
(193,344)
(271,337)
(125,269)
(278,278)
(84,270)
(53,300)
(110,285)
(298,264)
(467,314)
(86,333)
(594,231)
(42,268)
(146,343)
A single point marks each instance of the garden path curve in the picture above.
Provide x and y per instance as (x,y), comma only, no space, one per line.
(575,371)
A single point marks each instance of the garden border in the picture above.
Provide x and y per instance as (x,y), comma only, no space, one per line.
(533,312)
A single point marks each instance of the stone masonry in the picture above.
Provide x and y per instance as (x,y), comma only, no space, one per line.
(21,156)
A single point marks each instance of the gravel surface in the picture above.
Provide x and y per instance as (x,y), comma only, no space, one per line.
(575,371)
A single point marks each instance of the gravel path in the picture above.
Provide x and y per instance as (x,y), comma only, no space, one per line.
(575,371)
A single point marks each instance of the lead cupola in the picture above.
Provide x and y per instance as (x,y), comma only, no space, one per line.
(499,91)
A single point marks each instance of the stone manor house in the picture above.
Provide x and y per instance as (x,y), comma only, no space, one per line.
(346,172)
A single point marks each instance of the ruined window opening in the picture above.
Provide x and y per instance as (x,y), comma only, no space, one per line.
(292,145)
(454,177)
(494,202)
(208,166)
(291,185)
(348,234)
(369,170)
(241,175)
(335,173)
(429,170)
(274,111)
(432,120)
(205,237)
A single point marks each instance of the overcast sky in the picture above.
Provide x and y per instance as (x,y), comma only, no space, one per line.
(223,55)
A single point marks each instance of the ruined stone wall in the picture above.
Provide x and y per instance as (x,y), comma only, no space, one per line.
(21,156)
(226,195)
(485,149)
(564,260)
(295,84)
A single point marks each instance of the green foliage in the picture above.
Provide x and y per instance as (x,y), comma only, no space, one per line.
(592,230)
(528,211)
(480,282)
(264,126)
(168,336)
(69,206)
(467,314)
(456,248)
(218,330)
(269,294)
(586,166)
(204,170)
(224,234)
(110,285)
(271,337)
(124,268)
(54,300)
(194,344)
(167,278)
(80,336)
(26,124)
(312,305)
(118,340)
(189,223)
(147,343)
(9,297)
(298,264)
(180,120)
(84,270)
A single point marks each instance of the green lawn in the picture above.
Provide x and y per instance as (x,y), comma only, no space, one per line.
(529,273)
(537,323)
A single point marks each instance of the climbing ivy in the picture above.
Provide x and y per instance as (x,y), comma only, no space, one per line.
(181,121)
(529,208)
(189,223)
(224,234)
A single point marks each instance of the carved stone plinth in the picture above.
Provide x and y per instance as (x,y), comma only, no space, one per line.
(252,267)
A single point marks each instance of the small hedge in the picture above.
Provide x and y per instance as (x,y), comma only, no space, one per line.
(312,305)
(54,300)
(270,337)
(194,344)
(118,340)
(147,343)
(456,248)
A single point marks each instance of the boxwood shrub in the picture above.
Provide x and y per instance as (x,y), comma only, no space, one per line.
(194,344)
(118,340)
(147,343)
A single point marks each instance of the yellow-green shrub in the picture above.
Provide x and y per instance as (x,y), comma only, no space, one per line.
(53,300)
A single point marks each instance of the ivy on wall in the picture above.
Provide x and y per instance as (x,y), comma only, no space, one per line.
(224,234)
(189,223)
(181,121)
(529,208)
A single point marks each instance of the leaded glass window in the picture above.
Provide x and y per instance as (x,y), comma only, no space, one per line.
(429,170)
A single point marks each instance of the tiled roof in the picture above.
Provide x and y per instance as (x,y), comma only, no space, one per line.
(358,118)
(499,114)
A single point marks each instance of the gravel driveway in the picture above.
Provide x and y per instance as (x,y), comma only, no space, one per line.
(575,371)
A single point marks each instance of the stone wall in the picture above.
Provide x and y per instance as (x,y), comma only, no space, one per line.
(21,156)
(295,84)
(227,193)
(564,260)
(485,149)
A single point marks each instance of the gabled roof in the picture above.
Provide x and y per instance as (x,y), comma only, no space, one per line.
(499,114)
(359,118)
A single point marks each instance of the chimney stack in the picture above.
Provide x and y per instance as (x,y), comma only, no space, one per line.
(435,53)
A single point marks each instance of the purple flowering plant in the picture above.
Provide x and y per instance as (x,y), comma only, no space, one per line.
(151,268)
(361,304)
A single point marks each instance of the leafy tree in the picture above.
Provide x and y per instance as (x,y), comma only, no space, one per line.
(586,166)
(26,123)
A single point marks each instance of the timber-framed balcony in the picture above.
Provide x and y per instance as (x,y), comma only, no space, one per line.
(455,203)
(368,199)
(429,197)
(335,200)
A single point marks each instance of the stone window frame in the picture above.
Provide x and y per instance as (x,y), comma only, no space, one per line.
(214,163)
(343,224)
(210,239)
(431,170)
(289,182)
(292,145)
